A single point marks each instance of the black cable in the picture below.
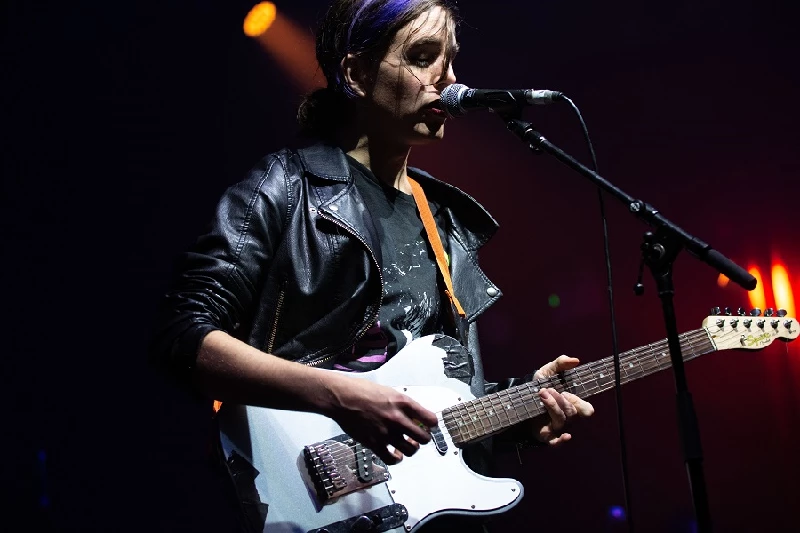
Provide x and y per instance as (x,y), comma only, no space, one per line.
(617,377)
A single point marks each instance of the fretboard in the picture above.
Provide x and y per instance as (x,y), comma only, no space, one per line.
(477,419)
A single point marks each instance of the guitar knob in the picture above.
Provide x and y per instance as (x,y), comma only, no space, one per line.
(769,312)
(760,324)
(747,322)
(728,311)
(741,311)
(781,313)
(755,312)
(775,323)
(715,310)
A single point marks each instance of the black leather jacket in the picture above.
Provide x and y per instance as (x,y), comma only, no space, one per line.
(290,264)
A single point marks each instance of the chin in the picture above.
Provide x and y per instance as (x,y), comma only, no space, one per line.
(427,134)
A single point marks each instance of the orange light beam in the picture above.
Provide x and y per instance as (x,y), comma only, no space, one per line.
(293,48)
(784,299)
(259,19)
(756,296)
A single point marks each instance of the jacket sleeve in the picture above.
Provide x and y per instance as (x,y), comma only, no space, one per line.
(214,283)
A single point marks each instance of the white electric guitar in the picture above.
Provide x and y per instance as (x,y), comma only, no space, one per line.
(314,478)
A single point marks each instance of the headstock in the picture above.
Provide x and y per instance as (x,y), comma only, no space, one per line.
(749,331)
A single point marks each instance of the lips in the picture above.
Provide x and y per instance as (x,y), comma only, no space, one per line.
(435,108)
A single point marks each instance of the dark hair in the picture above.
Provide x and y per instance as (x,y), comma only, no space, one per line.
(361,27)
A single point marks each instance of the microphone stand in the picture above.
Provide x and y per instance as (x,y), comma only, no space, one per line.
(659,251)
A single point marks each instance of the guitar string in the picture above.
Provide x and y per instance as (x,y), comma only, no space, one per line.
(525,393)
(575,378)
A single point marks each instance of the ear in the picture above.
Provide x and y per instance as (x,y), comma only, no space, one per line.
(355,73)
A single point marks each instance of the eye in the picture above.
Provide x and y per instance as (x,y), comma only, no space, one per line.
(422,60)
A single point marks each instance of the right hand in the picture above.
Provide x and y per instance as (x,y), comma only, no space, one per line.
(378,417)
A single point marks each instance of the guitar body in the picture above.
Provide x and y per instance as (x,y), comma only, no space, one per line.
(316,479)
(433,482)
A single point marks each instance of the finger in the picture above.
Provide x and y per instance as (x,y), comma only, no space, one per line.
(583,407)
(416,411)
(388,454)
(565,405)
(418,423)
(557,416)
(404,445)
(564,437)
(561,363)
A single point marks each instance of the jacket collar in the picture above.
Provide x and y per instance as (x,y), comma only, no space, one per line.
(325,161)
(328,161)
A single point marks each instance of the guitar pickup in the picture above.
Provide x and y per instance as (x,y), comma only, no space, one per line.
(438,440)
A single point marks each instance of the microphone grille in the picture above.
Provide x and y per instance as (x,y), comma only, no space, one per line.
(451,99)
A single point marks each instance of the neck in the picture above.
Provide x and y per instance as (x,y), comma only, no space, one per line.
(387,162)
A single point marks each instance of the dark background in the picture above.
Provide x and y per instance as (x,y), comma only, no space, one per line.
(123,122)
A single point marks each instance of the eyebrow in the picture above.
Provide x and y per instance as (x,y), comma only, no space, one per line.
(433,41)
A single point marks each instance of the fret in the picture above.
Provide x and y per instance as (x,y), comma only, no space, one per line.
(473,419)
(654,355)
(500,405)
(490,414)
(531,404)
(512,404)
(519,404)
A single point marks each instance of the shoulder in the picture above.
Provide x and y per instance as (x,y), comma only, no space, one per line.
(465,209)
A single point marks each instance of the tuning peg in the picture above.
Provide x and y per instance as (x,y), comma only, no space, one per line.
(715,310)
(781,313)
(728,311)
(769,312)
(741,311)
(755,312)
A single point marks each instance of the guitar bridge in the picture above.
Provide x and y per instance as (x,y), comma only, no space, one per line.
(340,465)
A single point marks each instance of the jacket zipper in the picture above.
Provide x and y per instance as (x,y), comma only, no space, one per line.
(274,332)
(380,299)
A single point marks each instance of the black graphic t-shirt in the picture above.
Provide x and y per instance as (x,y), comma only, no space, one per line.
(412,306)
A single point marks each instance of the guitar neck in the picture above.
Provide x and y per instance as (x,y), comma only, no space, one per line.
(477,419)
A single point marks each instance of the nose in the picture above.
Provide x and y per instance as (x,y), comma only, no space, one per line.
(448,78)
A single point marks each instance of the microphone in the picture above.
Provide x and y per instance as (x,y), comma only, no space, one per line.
(458,99)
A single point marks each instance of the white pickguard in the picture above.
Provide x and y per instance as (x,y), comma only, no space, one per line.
(426,483)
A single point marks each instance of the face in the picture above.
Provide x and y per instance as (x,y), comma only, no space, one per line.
(402,96)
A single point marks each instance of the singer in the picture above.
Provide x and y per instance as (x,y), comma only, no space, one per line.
(326,261)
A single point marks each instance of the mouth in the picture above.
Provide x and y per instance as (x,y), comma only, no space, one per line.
(434,108)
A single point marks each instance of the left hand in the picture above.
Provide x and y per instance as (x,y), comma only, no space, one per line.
(560,406)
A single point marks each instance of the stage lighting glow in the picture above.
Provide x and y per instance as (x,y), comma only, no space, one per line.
(554,301)
(723,280)
(259,19)
(756,296)
(616,512)
(784,299)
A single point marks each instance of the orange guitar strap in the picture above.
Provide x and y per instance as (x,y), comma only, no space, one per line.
(436,243)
